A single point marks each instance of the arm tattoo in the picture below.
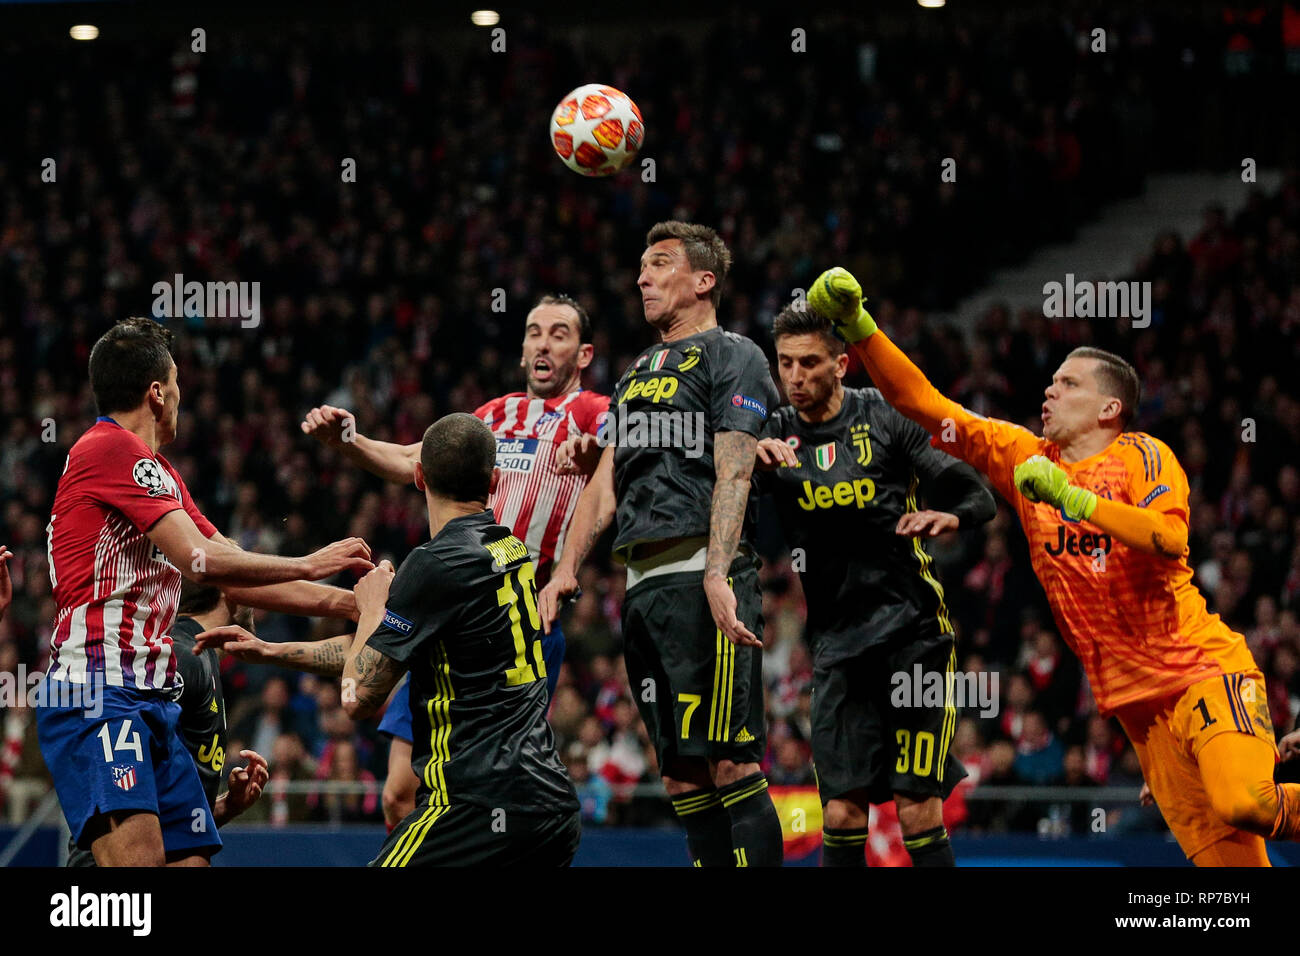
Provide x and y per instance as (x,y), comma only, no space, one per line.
(377,674)
(328,655)
(733,463)
(597,529)
(323,657)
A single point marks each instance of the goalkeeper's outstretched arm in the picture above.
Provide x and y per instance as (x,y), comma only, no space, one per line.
(989,446)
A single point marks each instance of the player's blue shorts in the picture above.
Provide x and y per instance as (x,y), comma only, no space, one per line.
(129,756)
(397,719)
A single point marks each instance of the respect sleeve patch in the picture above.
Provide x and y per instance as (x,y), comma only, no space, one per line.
(749,404)
(397,622)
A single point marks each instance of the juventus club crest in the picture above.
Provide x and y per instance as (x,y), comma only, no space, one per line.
(861,438)
(824,456)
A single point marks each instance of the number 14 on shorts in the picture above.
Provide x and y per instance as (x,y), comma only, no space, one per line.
(127,741)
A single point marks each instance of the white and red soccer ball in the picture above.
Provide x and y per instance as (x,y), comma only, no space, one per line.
(596,130)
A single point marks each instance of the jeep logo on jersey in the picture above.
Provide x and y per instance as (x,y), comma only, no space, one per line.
(149,475)
(824,455)
(657,389)
(858,493)
(1085,544)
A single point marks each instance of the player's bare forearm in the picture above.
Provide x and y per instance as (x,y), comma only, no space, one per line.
(1153,532)
(216,561)
(324,658)
(591,515)
(388,460)
(368,676)
(733,464)
(305,598)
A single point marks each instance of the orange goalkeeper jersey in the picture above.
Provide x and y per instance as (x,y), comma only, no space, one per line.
(1137,623)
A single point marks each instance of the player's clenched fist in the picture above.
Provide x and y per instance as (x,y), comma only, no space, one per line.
(1041,479)
(372,590)
(577,455)
(838,296)
(330,425)
(350,554)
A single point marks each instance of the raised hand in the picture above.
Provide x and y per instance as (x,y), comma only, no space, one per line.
(329,425)
(837,295)
(372,590)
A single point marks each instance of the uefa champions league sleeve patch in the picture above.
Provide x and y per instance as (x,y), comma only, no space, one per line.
(149,475)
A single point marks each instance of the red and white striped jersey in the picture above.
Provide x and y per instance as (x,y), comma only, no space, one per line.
(532,499)
(116,593)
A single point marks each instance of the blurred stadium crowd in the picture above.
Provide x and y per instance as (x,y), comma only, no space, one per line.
(378,296)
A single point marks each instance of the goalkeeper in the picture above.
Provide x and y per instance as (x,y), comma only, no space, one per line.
(1105,512)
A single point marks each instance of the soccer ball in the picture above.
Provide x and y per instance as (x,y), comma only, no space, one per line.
(597,130)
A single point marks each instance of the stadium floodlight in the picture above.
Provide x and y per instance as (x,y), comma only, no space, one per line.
(485,18)
(931,4)
(84,31)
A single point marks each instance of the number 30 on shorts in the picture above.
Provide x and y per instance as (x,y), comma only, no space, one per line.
(917,760)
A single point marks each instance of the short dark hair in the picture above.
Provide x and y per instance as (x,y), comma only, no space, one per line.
(1116,378)
(584,321)
(126,360)
(458,456)
(802,320)
(198,598)
(705,250)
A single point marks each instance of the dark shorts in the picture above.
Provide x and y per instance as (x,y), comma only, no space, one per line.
(469,835)
(126,755)
(699,694)
(874,732)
